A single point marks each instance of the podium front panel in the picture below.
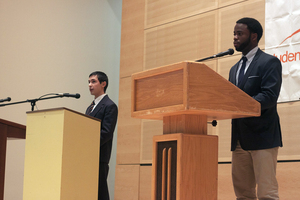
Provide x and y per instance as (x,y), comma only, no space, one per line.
(61,156)
(165,89)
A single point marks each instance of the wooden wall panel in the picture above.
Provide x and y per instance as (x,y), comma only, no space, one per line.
(127,182)
(223,3)
(149,129)
(223,130)
(187,39)
(288,176)
(129,129)
(225,187)
(211,64)
(145,182)
(163,11)
(225,64)
(132,37)
(229,15)
(290,127)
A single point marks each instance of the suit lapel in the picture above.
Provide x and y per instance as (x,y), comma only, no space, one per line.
(251,67)
(99,106)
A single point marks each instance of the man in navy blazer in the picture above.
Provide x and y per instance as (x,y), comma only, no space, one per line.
(255,140)
(106,110)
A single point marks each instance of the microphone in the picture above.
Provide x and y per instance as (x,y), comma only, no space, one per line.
(228,52)
(7,99)
(77,96)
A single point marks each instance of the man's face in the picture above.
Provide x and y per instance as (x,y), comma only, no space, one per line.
(96,88)
(242,38)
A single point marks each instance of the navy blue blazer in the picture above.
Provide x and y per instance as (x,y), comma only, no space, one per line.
(107,111)
(262,81)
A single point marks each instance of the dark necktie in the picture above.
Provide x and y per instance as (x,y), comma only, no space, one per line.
(242,71)
(90,108)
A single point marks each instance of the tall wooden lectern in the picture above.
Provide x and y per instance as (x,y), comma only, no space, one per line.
(186,96)
(61,156)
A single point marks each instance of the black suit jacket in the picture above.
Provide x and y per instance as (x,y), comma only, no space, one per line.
(262,81)
(107,111)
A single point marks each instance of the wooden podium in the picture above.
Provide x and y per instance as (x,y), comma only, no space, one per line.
(61,156)
(186,96)
(7,130)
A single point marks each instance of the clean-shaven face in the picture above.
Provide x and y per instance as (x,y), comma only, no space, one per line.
(96,88)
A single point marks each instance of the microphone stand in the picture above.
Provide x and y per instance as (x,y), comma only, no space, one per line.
(33,101)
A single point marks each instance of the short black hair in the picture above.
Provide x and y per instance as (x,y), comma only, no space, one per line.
(253,25)
(101,77)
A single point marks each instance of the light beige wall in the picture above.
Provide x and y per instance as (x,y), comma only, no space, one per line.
(52,47)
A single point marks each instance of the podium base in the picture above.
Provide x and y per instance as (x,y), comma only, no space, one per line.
(185,166)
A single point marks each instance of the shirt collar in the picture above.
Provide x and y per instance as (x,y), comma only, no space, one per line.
(250,55)
(98,99)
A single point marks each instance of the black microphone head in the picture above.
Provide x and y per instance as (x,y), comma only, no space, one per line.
(8,99)
(231,51)
(77,96)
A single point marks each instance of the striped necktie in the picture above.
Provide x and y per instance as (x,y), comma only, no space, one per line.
(90,108)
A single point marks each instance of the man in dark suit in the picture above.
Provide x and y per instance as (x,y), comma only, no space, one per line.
(255,140)
(105,109)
